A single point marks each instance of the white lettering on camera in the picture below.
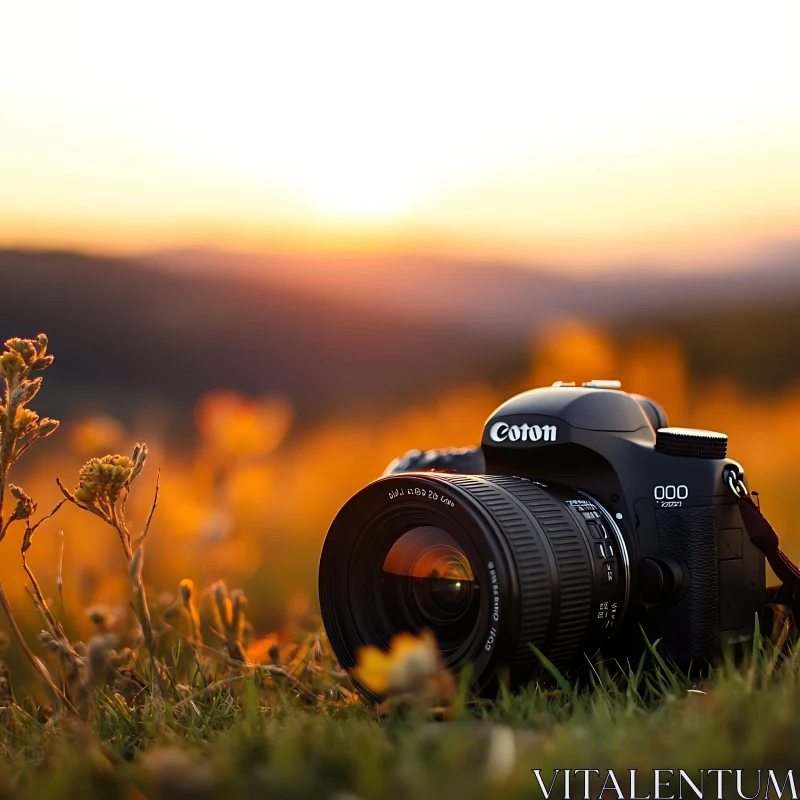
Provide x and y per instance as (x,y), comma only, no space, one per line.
(671,496)
(490,639)
(418,491)
(503,432)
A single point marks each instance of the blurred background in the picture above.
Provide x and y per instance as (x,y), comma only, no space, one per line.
(283,243)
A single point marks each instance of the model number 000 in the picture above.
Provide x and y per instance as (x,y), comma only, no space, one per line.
(671,492)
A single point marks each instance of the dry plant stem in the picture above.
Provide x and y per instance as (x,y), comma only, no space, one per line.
(152,508)
(124,537)
(210,688)
(143,613)
(112,514)
(7,451)
(143,610)
(58,695)
(40,602)
(60,571)
(19,428)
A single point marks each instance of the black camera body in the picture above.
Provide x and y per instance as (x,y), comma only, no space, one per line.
(582,518)
(692,570)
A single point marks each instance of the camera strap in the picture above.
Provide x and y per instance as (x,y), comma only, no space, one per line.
(763,536)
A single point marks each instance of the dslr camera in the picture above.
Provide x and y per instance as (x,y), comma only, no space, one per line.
(582,518)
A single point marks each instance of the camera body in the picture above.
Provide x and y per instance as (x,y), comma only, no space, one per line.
(582,520)
(695,581)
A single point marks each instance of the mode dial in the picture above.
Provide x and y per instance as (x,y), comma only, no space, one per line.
(691,442)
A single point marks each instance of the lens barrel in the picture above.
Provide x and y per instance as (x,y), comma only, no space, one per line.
(491,564)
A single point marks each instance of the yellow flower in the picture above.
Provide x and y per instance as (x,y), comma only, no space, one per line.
(103,479)
(408,667)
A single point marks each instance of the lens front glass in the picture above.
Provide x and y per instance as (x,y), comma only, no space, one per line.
(427,582)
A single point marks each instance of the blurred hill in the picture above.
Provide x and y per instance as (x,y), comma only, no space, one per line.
(129,336)
(740,318)
(155,333)
(510,299)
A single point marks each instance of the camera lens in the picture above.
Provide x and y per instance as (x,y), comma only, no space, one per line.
(490,564)
(427,581)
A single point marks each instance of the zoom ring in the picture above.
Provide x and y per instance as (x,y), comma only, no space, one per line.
(535,589)
(555,615)
(573,565)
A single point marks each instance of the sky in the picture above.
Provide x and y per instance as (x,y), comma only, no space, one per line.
(579,133)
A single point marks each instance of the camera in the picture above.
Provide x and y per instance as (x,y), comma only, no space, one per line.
(582,520)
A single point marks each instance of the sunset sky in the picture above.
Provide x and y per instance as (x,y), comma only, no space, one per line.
(575,133)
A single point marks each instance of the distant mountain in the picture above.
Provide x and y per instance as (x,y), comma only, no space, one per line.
(741,318)
(509,300)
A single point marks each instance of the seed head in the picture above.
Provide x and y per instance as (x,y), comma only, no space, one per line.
(102,479)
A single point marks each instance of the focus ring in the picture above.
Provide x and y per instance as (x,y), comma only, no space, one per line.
(573,564)
(535,589)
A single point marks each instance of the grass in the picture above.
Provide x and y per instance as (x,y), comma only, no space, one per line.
(245,740)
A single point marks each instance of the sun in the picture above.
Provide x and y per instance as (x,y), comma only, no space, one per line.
(355,180)
(357,197)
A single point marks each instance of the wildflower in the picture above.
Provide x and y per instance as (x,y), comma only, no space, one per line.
(22,356)
(411,665)
(103,489)
(102,479)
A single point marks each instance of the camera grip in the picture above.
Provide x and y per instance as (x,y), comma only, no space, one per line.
(691,626)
